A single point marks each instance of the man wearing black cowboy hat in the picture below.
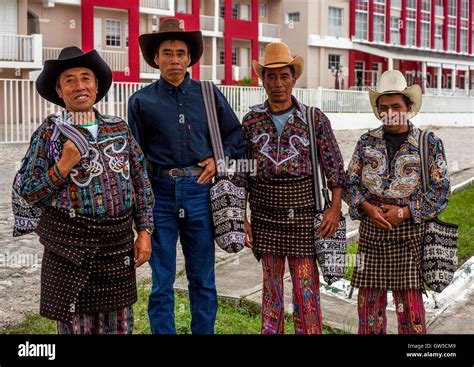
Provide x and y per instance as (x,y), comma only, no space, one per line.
(87,175)
(169,121)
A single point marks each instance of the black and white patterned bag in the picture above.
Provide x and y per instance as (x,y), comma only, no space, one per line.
(330,252)
(440,245)
(227,198)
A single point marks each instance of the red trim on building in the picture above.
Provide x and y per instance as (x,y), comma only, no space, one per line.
(403,30)
(241,29)
(469,35)
(388,20)
(418,23)
(192,22)
(433,24)
(458,27)
(445,25)
(87,19)
(370,15)
(352,22)
(351,81)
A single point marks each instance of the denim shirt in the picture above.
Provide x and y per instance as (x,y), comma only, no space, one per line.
(170,124)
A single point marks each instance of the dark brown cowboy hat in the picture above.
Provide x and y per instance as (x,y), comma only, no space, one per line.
(73,57)
(171,29)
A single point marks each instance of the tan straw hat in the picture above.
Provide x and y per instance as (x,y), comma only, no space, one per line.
(278,55)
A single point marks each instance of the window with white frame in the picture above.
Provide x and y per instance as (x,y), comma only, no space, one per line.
(426,5)
(451,38)
(112,33)
(425,34)
(263,10)
(334,61)
(335,21)
(293,17)
(221,8)
(379,27)
(361,25)
(410,32)
(439,37)
(181,6)
(235,11)
(411,4)
(465,9)
(395,30)
(234,55)
(463,41)
(221,56)
(452,8)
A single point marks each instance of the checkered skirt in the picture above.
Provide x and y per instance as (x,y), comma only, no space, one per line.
(389,259)
(283,210)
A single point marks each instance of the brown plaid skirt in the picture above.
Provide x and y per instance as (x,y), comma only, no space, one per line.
(282,216)
(389,259)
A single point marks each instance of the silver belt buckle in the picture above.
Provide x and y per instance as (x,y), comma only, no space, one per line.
(173,174)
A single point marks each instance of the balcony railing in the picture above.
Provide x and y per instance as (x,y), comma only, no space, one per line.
(19,48)
(269,30)
(207,23)
(155,4)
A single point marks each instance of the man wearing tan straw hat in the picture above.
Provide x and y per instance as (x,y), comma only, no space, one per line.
(384,192)
(168,118)
(281,194)
(84,178)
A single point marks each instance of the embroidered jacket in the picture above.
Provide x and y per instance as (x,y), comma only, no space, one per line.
(106,183)
(369,177)
(289,154)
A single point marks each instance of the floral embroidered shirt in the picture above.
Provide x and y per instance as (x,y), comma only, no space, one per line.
(370,177)
(289,153)
(107,182)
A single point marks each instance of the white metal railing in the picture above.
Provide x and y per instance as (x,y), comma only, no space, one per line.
(51,53)
(155,4)
(145,68)
(207,23)
(449,92)
(117,60)
(24,110)
(269,30)
(16,48)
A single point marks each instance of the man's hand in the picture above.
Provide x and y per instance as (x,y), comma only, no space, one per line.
(376,215)
(70,157)
(209,166)
(142,248)
(330,222)
(395,214)
(248,234)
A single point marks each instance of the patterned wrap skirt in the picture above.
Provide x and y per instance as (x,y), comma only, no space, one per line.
(282,216)
(389,259)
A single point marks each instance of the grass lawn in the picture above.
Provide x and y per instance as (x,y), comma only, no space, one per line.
(460,211)
(230,319)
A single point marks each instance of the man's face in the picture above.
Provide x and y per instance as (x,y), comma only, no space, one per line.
(278,84)
(78,89)
(393,112)
(173,59)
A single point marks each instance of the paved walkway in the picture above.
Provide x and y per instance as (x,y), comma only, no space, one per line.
(237,275)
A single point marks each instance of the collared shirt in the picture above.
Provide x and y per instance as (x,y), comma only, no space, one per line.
(170,124)
(289,153)
(370,177)
(106,183)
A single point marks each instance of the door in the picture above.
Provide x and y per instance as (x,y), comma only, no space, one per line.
(244,54)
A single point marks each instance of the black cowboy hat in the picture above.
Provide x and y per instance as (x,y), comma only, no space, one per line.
(73,57)
(171,29)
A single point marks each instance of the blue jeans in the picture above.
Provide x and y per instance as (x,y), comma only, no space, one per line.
(182,206)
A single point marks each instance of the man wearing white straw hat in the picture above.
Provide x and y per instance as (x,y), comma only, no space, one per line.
(281,194)
(384,192)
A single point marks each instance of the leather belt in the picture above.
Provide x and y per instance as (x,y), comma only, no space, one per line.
(181,172)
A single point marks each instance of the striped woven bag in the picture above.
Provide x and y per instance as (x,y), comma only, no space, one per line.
(227,198)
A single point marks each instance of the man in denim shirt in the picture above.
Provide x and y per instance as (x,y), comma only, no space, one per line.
(168,119)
